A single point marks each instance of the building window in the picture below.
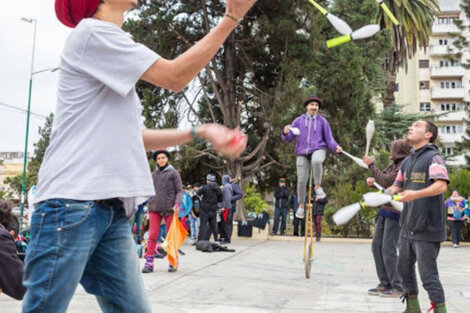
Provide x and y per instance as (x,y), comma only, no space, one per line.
(451,84)
(423,63)
(397,87)
(443,42)
(449,151)
(425,106)
(424,84)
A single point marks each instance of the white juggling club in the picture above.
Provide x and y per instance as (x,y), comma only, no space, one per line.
(295,131)
(346,213)
(363,32)
(375,199)
(355,159)
(396,204)
(370,129)
(341,26)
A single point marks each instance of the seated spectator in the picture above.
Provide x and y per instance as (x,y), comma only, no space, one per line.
(455,206)
(11,267)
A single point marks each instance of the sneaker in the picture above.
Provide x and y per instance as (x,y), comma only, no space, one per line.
(376,291)
(171,269)
(317,238)
(456,245)
(300,212)
(390,293)
(146,270)
(320,194)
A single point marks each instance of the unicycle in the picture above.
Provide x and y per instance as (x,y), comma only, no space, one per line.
(308,241)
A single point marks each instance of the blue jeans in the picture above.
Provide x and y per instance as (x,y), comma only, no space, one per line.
(86,242)
(282,213)
(195,224)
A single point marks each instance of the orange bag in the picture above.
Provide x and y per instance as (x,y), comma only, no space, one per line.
(174,239)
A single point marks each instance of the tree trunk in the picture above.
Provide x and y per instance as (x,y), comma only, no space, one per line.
(388,97)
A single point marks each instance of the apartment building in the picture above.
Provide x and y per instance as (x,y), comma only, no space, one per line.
(438,84)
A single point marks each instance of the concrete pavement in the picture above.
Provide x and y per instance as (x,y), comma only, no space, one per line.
(268,276)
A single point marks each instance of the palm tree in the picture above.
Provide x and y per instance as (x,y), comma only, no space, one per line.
(416,18)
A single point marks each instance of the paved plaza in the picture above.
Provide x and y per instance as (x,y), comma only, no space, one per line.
(268,276)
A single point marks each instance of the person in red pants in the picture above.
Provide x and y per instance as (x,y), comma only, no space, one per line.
(169,192)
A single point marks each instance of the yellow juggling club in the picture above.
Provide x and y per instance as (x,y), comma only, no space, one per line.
(388,12)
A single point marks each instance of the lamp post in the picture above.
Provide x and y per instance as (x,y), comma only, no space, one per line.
(25,159)
(28,114)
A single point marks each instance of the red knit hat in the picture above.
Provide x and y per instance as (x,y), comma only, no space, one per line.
(71,12)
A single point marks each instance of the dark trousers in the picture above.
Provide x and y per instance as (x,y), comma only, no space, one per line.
(282,213)
(317,221)
(299,223)
(425,253)
(208,225)
(227,226)
(455,229)
(384,249)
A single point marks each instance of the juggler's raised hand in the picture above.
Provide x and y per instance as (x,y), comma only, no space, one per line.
(238,8)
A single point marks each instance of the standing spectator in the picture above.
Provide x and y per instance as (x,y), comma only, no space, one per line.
(236,195)
(193,216)
(281,194)
(95,169)
(299,223)
(387,229)
(226,207)
(137,219)
(167,200)
(455,206)
(11,267)
(467,210)
(211,197)
(318,211)
(422,180)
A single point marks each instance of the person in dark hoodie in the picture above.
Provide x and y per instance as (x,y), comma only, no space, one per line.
(281,204)
(167,200)
(226,208)
(422,181)
(387,230)
(211,197)
(11,267)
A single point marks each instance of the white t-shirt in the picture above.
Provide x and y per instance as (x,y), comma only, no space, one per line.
(96,149)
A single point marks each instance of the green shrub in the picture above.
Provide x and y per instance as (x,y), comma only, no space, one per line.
(253,200)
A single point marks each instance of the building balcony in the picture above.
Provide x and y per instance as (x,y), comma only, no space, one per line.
(452,116)
(451,93)
(441,50)
(442,29)
(448,6)
(449,71)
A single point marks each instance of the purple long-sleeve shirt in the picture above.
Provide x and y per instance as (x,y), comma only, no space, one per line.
(315,134)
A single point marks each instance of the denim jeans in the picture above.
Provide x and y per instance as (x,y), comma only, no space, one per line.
(86,242)
(282,213)
(455,229)
(195,224)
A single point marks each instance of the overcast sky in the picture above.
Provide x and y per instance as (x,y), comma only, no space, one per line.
(16,42)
